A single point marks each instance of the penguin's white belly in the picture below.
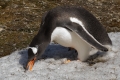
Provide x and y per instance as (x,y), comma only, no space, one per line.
(68,38)
(62,36)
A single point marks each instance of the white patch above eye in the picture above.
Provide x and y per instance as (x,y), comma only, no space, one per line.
(34,49)
(75,20)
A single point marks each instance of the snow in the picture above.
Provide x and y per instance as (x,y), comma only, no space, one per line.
(53,67)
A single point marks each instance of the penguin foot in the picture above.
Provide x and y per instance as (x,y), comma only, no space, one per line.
(30,64)
(67,61)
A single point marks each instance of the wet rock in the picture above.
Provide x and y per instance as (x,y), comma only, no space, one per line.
(116,1)
(1,29)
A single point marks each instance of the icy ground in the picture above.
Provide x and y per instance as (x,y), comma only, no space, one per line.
(53,67)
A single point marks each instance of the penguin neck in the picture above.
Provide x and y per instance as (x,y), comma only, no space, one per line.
(40,42)
(40,39)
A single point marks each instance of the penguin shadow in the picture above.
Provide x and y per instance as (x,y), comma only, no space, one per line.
(57,51)
(24,57)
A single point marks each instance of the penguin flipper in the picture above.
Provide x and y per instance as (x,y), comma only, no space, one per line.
(86,36)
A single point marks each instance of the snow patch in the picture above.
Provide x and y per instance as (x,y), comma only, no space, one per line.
(53,67)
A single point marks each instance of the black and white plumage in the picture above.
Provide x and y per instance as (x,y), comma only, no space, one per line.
(70,26)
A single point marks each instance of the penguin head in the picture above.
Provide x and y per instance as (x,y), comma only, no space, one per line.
(32,52)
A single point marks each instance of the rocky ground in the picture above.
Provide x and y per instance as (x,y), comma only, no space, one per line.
(20,19)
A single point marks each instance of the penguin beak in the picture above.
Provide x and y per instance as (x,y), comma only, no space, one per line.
(30,64)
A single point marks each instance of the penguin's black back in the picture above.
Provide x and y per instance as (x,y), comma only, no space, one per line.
(59,16)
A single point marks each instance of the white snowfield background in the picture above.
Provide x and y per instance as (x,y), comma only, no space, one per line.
(53,67)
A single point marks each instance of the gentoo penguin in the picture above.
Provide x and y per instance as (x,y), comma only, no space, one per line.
(69,26)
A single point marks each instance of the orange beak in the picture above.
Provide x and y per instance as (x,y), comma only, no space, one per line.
(30,64)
